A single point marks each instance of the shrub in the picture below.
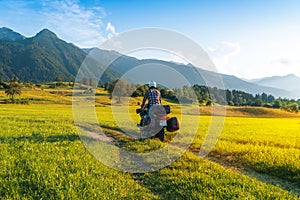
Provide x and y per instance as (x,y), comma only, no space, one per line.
(230,103)
(268,105)
(294,107)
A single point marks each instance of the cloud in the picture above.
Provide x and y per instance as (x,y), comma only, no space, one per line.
(80,24)
(282,61)
(112,30)
(225,49)
(223,54)
(73,21)
(283,66)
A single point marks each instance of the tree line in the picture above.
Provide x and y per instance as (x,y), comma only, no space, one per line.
(202,95)
(206,96)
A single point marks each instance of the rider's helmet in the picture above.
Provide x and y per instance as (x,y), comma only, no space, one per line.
(152,84)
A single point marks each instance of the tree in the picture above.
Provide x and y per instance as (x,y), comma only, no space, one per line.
(258,102)
(13,88)
(207,97)
(118,89)
(84,81)
(271,98)
(294,107)
(229,96)
(268,105)
(92,83)
(230,103)
(264,97)
(209,103)
(277,103)
(59,79)
(2,84)
(106,86)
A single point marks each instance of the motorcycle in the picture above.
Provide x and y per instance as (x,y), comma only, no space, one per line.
(154,121)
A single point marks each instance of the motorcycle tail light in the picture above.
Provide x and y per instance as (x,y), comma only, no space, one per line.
(164,118)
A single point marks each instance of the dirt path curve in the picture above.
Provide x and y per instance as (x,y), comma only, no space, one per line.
(102,138)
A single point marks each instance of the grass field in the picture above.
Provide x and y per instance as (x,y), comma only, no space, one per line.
(42,156)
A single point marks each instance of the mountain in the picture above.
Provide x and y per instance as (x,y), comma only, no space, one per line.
(43,58)
(289,82)
(232,82)
(153,70)
(9,35)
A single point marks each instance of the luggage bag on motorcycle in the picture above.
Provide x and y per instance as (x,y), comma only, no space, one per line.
(173,124)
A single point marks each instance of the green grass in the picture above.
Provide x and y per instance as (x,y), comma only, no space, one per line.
(266,145)
(42,156)
(194,178)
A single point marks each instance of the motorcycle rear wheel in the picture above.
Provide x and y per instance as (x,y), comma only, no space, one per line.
(161,135)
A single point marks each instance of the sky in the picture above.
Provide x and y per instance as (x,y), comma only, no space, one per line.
(248,39)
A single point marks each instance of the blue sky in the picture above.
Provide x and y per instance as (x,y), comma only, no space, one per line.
(249,39)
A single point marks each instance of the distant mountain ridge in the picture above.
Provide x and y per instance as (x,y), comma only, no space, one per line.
(289,82)
(124,64)
(45,57)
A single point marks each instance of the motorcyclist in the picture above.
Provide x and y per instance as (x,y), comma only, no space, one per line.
(152,95)
(154,98)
